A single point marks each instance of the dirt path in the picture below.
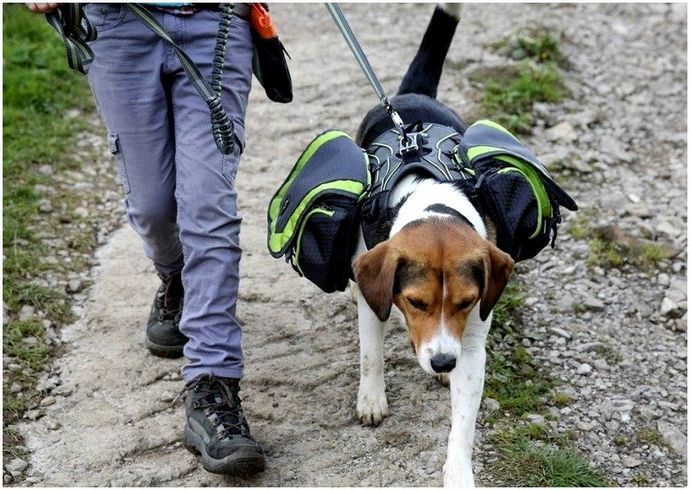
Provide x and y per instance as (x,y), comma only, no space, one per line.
(111,422)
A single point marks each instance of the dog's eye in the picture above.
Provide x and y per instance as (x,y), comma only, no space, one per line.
(462,305)
(417,304)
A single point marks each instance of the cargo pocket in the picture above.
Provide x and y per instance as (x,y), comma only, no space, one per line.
(116,151)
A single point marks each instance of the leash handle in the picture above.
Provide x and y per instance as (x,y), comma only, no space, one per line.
(351,40)
(76,30)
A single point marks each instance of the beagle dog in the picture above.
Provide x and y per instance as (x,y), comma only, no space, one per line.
(438,265)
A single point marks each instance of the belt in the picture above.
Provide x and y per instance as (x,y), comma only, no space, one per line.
(241,10)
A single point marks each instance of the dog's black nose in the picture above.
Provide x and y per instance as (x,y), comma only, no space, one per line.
(443,363)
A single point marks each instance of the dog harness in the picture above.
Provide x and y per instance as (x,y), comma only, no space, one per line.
(336,188)
(431,154)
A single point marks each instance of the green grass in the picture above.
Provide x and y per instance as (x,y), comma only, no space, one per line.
(512,299)
(532,456)
(541,47)
(38,88)
(604,253)
(621,441)
(510,93)
(537,43)
(578,230)
(652,254)
(650,435)
(509,100)
(511,375)
(560,399)
(640,479)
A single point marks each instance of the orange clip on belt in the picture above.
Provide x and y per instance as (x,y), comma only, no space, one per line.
(261,22)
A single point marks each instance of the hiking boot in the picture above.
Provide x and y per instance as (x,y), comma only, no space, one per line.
(216,427)
(163,336)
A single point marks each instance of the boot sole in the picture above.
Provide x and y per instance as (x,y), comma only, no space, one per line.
(243,462)
(167,351)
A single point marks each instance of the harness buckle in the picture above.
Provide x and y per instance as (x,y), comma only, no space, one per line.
(410,143)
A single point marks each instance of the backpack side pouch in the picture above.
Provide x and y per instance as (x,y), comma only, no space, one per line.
(520,207)
(514,187)
(312,218)
(325,244)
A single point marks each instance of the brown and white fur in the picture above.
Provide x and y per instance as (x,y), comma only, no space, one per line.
(439,268)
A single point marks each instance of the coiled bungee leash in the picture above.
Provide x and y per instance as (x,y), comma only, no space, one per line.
(76,30)
(407,143)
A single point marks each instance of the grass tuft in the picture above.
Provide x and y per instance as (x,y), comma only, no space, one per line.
(538,44)
(512,299)
(650,435)
(560,399)
(510,93)
(509,100)
(604,253)
(511,375)
(541,47)
(530,454)
(535,458)
(640,479)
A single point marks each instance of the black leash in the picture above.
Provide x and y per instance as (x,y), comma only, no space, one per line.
(76,30)
(351,40)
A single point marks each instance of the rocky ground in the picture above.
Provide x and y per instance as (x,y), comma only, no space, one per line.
(615,336)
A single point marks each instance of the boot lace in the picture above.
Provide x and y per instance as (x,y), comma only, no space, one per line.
(221,404)
(169,298)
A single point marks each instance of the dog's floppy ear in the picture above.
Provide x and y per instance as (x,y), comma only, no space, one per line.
(375,275)
(497,268)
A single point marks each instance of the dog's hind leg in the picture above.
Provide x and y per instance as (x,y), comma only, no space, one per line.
(466,386)
(372,405)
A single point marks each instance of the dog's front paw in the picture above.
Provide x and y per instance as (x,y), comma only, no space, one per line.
(457,476)
(372,409)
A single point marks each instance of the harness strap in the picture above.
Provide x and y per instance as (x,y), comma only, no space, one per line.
(351,40)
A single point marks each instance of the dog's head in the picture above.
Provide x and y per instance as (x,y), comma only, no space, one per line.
(435,271)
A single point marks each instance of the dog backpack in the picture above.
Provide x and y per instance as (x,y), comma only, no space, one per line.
(513,188)
(313,217)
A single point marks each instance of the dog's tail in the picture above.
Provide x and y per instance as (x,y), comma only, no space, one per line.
(424,73)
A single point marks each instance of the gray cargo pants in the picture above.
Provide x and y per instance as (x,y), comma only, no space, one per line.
(179,189)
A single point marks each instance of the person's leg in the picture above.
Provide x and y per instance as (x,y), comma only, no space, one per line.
(125,78)
(132,97)
(208,218)
(209,230)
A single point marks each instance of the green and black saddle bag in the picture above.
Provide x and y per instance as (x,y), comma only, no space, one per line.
(313,217)
(514,188)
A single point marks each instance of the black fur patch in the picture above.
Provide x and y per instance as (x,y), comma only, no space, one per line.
(443,209)
(474,271)
(408,273)
(383,227)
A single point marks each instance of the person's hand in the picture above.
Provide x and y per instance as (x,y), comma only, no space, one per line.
(42,8)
